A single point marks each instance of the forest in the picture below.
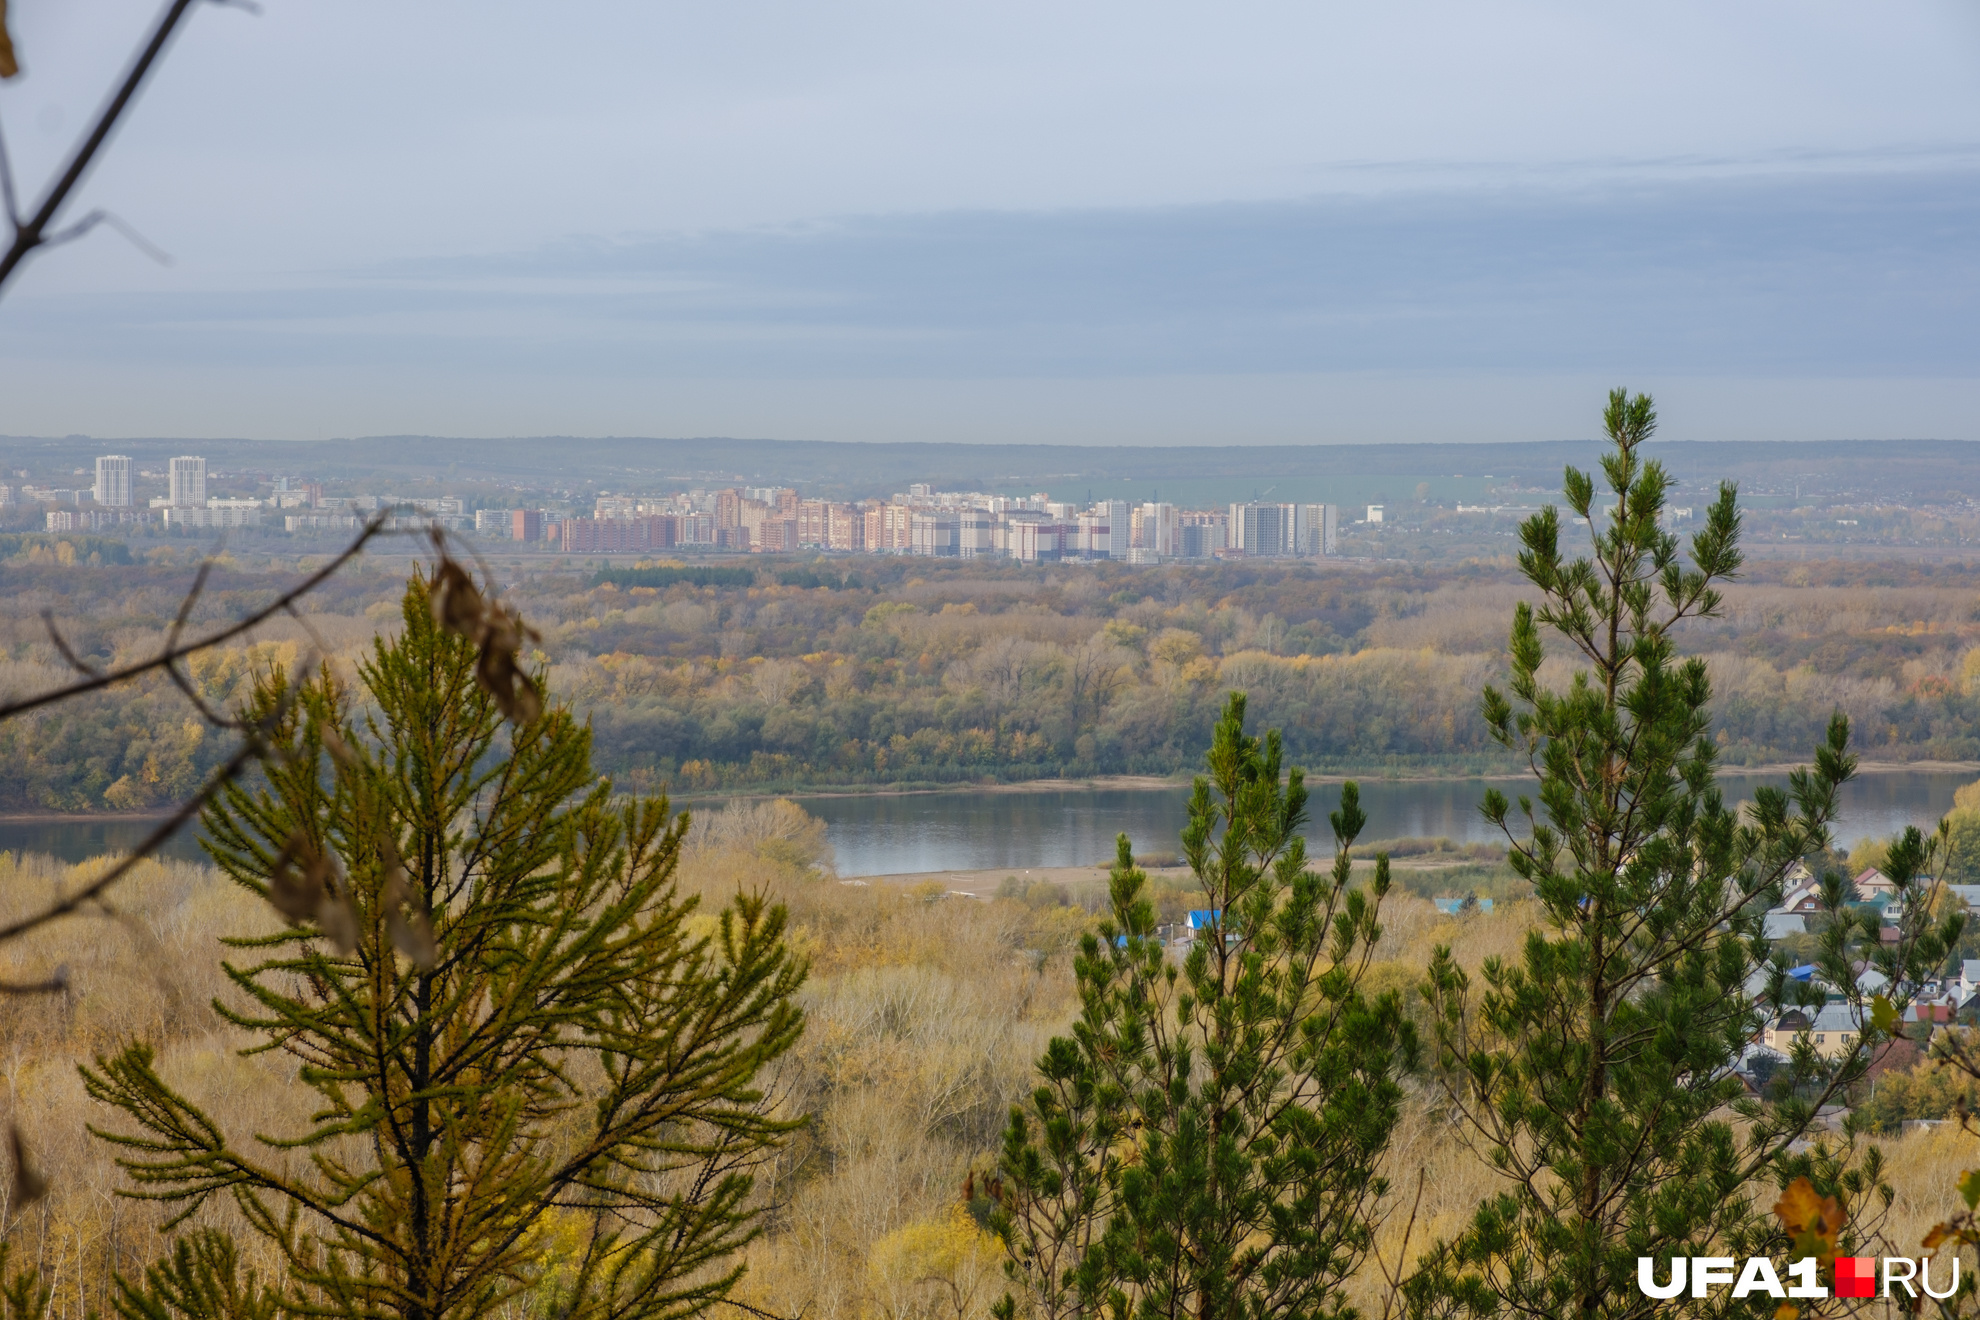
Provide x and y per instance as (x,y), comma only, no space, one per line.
(492,1038)
(924,1014)
(791,674)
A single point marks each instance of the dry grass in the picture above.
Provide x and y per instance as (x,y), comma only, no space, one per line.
(925,1015)
(150,972)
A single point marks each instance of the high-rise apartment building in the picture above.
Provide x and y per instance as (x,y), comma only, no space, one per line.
(1322,527)
(751,516)
(814,519)
(1039,542)
(113,481)
(186,482)
(1273,531)
(1113,543)
(888,530)
(1154,532)
(976,533)
(1095,535)
(1261,530)
(934,534)
(845,528)
(1201,536)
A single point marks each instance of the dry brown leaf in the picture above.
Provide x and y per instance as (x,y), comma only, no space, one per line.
(503,679)
(9,66)
(498,634)
(457,604)
(302,887)
(295,885)
(394,864)
(337,922)
(29,1186)
(340,751)
(411,935)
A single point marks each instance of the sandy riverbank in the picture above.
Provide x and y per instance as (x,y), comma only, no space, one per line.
(984,883)
(1142,783)
(1115,783)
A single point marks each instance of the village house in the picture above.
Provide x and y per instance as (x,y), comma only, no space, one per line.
(1832,1029)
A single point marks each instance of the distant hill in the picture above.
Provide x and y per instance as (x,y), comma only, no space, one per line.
(1916,471)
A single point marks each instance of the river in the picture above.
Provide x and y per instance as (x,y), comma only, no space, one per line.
(902,834)
(908,833)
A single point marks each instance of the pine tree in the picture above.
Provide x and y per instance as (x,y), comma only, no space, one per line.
(1596,1070)
(1205,1142)
(513,1027)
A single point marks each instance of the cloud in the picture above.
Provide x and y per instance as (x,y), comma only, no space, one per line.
(1868,274)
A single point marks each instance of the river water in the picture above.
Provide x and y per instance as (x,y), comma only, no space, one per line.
(907,833)
(901,834)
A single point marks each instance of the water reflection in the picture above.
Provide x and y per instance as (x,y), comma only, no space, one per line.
(75,840)
(895,835)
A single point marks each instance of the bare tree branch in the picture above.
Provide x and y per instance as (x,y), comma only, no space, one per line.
(7,198)
(494,628)
(174,651)
(116,222)
(36,230)
(252,748)
(61,644)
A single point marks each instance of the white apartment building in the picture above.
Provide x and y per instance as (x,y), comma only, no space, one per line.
(1154,533)
(1120,524)
(616,506)
(1036,541)
(113,481)
(216,513)
(186,483)
(1321,529)
(976,533)
(933,534)
(1095,536)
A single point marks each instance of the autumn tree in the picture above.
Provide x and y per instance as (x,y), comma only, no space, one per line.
(514,1025)
(1205,1143)
(1596,1070)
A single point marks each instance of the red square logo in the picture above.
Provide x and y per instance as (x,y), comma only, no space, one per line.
(1856,1276)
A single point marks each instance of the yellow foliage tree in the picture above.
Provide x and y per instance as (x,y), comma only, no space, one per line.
(935,1267)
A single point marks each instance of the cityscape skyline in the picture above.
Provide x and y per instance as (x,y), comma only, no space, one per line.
(757,519)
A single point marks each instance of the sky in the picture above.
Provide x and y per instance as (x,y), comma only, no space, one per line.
(1105,222)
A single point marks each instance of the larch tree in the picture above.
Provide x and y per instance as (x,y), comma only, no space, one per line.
(1206,1142)
(517,1030)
